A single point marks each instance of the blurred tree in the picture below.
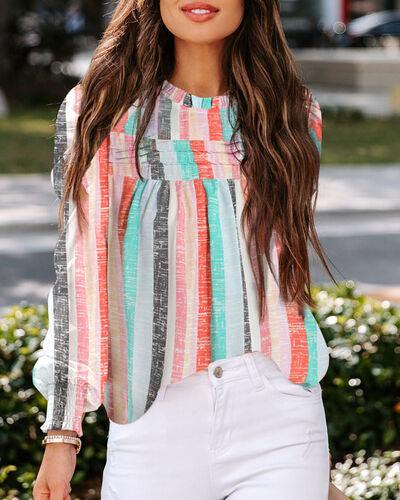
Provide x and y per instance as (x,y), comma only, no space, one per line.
(391,4)
(93,16)
(38,37)
(6,11)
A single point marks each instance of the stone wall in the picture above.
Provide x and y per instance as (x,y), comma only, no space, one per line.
(363,70)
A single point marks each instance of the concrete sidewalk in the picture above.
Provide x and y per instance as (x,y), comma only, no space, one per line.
(27,202)
(369,103)
(352,188)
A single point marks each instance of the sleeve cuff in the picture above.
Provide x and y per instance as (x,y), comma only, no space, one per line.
(70,421)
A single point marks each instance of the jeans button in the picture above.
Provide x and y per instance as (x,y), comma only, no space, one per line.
(218,371)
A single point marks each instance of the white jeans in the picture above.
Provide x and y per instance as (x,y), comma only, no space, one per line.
(242,431)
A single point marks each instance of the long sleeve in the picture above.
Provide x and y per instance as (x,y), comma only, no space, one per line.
(72,367)
(318,353)
(302,352)
(315,123)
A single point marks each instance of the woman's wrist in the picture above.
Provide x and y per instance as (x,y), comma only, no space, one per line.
(62,437)
(66,432)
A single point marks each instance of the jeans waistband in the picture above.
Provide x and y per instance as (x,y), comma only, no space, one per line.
(248,365)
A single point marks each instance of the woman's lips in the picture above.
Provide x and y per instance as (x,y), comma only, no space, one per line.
(199,12)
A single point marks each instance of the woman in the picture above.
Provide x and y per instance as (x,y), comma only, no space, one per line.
(187,163)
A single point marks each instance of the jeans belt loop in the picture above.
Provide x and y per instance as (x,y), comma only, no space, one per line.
(254,373)
(161,391)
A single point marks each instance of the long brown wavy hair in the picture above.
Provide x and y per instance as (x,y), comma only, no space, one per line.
(281,161)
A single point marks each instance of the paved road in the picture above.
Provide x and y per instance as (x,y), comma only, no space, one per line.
(358,220)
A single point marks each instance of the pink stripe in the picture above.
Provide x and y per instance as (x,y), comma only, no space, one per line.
(234,163)
(102,255)
(120,125)
(129,142)
(181,295)
(82,323)
(124,198)
(184,123)
(191,232)
(284,338)
(77,94)
(265,337)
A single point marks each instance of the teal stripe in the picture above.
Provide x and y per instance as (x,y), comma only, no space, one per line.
(185,157)
(315,139)
(201,102)
(130,256)
(227,129)
(218,321)
(311,327)
(130,125)
(233,278)
(142,356)
(207,103)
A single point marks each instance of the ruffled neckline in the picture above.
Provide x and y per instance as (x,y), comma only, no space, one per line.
(188,99)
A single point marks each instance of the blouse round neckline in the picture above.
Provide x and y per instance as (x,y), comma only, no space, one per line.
(188,99)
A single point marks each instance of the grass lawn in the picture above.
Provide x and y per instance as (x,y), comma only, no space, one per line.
(26,140)
(358,140)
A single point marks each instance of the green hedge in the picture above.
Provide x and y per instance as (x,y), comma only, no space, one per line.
(376,477)
(361,389)
(22,409)
(362,386)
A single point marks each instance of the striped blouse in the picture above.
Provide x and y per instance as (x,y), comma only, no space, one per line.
(160,282)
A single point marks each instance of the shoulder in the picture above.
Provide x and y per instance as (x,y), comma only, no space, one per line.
(314,109)
(73,96)
(69,108)
(65,124)
(66,119)
(314,118)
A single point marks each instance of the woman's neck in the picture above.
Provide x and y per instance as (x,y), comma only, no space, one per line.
(198,68)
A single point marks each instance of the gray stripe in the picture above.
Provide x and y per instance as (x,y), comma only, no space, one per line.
(164,117)
(156,168)
(160,290)
(246,324)
(187,101)
(60,147)
(60,290)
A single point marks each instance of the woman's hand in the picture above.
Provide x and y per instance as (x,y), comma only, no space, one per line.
(56,471)
(334,493)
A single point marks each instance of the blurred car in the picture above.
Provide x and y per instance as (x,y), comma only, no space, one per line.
(373,30)
(301,22)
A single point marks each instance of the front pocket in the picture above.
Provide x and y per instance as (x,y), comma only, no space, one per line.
(121,434)
(280,383)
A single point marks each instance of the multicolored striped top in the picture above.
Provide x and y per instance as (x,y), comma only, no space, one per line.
(160,283)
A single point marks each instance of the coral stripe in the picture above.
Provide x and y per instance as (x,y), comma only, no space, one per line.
(204,280)
(214,124)
(298,344)
(101,243)
(126,199)
(82,322)
(181,294)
